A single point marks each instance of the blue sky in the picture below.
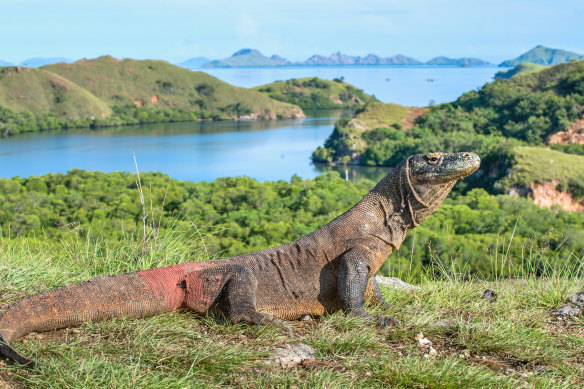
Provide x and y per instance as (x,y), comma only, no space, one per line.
(175,30)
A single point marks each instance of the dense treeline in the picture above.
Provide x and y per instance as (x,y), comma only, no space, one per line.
(239,215)
(12,123)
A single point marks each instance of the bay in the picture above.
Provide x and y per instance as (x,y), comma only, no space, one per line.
(404,85)
(194,151)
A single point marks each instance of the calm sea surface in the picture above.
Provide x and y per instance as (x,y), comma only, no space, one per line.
(188,151)
(405,85)
(206,150)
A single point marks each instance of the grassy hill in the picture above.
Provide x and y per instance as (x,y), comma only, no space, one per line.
(158,84)
(316,93)
(539,165)
(522,68)
(542,55)
(41,91)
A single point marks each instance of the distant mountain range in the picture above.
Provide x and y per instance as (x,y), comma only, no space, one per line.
(254,58)
(37,62)
(194,63)
(541,55)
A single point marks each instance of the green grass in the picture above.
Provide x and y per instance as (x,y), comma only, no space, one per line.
(508,343)
(381,115)
(41,91)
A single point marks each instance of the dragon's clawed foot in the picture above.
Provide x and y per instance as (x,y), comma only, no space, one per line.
(260,319)
(387,321)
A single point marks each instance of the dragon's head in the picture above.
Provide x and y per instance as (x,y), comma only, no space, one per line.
(441,168)
(430,178)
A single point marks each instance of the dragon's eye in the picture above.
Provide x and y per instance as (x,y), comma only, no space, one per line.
(433,158)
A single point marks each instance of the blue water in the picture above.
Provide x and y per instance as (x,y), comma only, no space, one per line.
(405,85)
(189,151)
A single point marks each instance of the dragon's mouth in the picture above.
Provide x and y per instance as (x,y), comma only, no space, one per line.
(461,165)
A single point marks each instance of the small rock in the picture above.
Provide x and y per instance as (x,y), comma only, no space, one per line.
(425,345)
(447,324)
(577,299)
(567,310)
(393,282)
(490,295)
(465,354)
(424,342)
(306,318)
(289,355)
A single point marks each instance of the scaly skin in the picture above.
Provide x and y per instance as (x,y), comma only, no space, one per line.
(327,270)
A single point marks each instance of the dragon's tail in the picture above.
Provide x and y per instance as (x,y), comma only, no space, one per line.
(122,295)
(11,354)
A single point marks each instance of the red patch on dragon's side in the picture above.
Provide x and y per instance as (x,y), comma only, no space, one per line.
(202,288)
(168,283)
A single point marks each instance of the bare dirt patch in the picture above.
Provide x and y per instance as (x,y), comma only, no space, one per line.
(547,194)
(573,134)
(413,114)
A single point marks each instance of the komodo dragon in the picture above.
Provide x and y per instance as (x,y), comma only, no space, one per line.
(327,270)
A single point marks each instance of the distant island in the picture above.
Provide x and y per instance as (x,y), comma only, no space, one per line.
(541,55)
(254,58)
(194,63)
(535,60)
